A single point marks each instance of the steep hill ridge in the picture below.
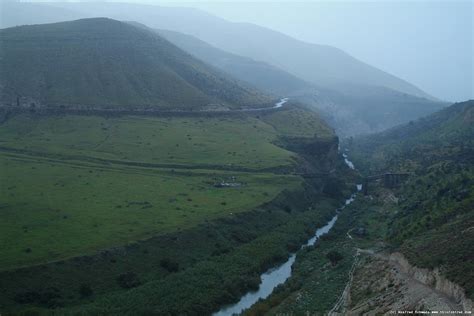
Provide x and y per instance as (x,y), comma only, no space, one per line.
(261,75)
(432,227)
(353,111)
(105,63)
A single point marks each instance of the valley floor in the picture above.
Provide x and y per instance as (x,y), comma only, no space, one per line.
(369,278)
(104,214)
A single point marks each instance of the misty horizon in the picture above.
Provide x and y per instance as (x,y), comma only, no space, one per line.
(405,38)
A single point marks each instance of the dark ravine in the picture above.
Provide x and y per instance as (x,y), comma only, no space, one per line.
(275,276)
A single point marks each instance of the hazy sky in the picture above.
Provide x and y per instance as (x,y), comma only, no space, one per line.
(428,43)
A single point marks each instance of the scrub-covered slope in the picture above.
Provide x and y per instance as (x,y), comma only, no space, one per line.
(433,226)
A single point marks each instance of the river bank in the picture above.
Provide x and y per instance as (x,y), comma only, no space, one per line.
(369,277)
(276,276)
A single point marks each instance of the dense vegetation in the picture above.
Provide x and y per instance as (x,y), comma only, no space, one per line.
(103,63)
(443,136)
(429,218)
(433,227)
(321,272)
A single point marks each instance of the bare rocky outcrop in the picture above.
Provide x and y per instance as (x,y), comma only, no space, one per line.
(434,279)
(387,283)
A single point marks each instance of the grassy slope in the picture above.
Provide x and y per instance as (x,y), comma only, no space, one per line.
(51,211)
(173,163)
(322,64)
(71,191)
(104,209)
(102,62)
(166,141)
(299,122)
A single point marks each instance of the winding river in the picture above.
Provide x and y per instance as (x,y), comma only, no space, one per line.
(270,279)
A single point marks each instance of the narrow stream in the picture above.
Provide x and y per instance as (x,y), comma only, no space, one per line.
(277,105)
(278,275)
(347,161)
(280,104)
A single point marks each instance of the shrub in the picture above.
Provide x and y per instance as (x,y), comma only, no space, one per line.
(49,297)
(334,257)
(169,265)
(85,290)
(128,280)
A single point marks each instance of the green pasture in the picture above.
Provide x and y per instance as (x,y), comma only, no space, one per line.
(51,211)
(220,141)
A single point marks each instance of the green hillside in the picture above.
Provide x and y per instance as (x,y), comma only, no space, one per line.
(323,65)
(444,135)
(125,207)
(104,63)
(353,269)
(433,224)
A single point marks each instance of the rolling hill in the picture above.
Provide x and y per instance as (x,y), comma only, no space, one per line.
(322,65)
(261,75)
(352,111)
(354,97)
(105,63)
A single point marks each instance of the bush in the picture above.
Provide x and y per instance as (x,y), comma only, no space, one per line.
(169,265)
(49,297)
(128,280)
(85,290)
(334,257)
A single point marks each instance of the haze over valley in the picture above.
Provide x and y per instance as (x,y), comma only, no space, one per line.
(166,160)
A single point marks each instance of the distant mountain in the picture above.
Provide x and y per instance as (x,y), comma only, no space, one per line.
(262,75)
(374,109)
(323,65)
(354,97)
(106,63)
(350,112)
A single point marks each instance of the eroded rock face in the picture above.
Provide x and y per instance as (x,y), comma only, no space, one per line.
(385,283)
(434,279)
(322,152)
